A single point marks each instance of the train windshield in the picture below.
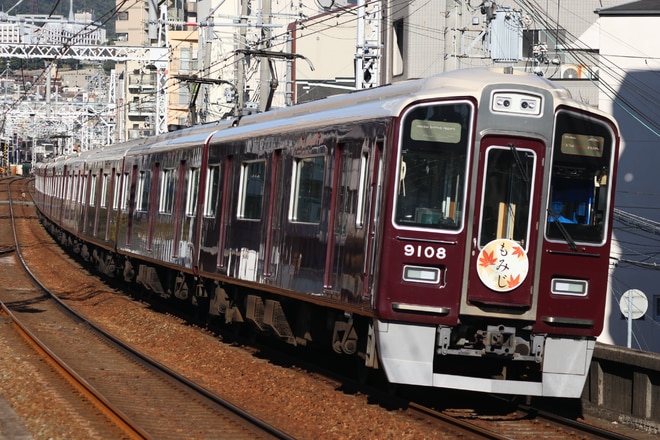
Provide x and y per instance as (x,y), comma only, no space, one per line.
(432,166)
(579,185)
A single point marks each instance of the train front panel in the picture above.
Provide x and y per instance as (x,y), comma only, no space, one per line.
(482,285)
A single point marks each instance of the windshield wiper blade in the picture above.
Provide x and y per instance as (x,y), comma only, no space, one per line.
(521,167)
(564,232)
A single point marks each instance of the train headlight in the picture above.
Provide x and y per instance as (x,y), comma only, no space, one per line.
(420,274)
(564,286)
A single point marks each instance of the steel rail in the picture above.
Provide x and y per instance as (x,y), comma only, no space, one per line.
(264,426)
(91,394)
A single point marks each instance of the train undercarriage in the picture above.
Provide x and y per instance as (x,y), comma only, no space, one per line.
(289,320)
(474,356)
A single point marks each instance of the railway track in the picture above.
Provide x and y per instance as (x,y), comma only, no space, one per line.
(141,398)
(443,422)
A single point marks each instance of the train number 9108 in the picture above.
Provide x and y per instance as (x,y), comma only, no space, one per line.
(422,251)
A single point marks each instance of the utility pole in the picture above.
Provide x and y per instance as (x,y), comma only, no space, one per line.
(267,81)
(240,62)
(368,47)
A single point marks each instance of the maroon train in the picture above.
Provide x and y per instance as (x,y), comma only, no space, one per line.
(453,231)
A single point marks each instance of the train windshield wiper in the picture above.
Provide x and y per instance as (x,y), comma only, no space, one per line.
(564,233)
(521,167)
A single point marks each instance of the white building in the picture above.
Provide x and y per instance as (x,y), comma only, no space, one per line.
(631,72)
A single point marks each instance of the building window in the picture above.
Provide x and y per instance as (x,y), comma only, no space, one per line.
(122,15)
(398,47)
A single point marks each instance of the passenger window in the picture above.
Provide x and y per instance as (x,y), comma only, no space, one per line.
(104,191)
(307,192)
(211,193)
(127,193)
(144,185)
(362,187)
(251,190)
(167,192)
(92,190)
(191,194)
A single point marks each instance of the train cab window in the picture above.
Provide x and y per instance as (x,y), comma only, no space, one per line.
(212,189)
(142,193)
(579,194)
(166,192)
(191,193)
(507,193)
(307,191)
(251,193)
(432,166)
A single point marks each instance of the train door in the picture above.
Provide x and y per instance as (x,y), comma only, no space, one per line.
(371,221)
(503,255)
(344,261)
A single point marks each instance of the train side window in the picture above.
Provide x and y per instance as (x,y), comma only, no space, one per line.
(362,187)
(250,198)
(307,191)
(116,194)
(191,193)
(104,191)
(92,190)
(83,188)
(126,194)
(167,192)
(143,188)
(211,193)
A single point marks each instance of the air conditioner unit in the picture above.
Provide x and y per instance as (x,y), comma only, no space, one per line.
(570,71)
(589,72)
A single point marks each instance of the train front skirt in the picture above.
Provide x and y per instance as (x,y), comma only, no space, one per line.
(408,354)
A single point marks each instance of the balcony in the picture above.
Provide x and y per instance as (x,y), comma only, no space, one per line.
(141,109)
(141,82)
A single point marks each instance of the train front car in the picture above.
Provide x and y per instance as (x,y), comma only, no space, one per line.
(496,237)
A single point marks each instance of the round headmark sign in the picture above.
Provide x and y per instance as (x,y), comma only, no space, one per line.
(502,265)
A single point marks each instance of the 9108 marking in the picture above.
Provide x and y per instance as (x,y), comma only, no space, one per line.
(420,251)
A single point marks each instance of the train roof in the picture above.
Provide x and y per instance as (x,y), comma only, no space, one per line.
(377,103)
(389,101)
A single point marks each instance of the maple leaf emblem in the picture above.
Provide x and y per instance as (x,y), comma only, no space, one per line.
(487,259)
(518,252)
(513,281)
